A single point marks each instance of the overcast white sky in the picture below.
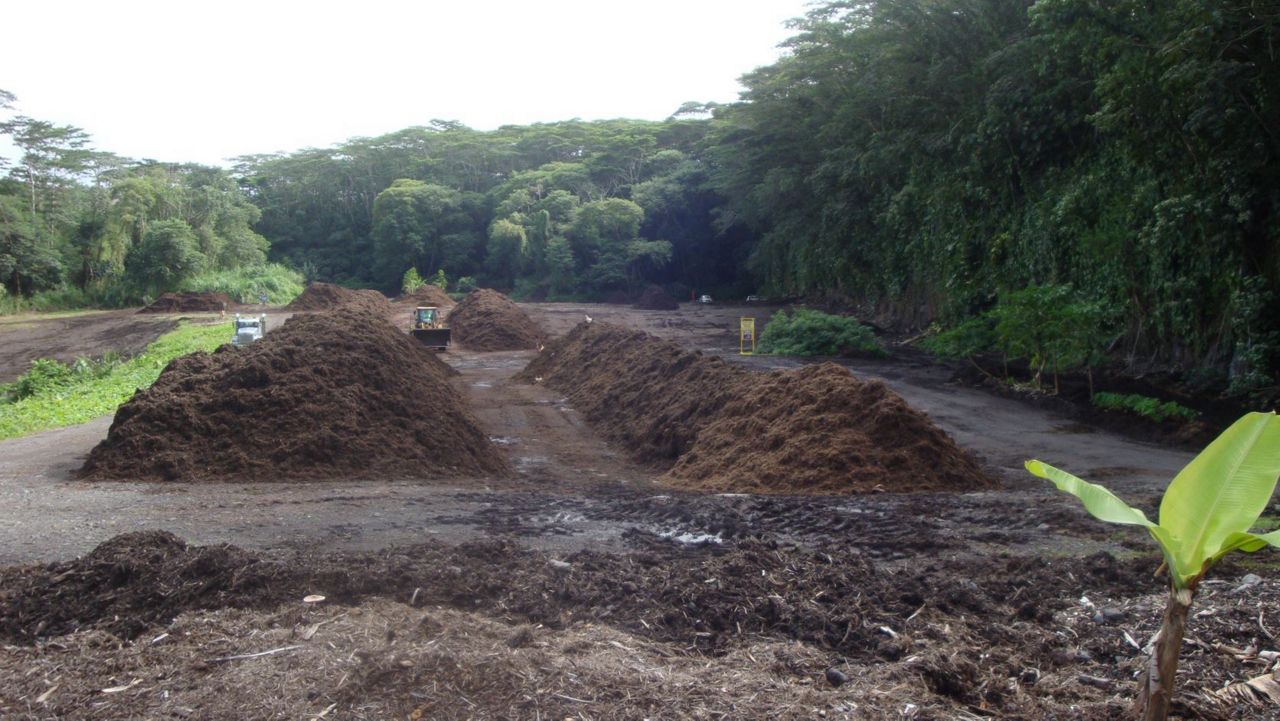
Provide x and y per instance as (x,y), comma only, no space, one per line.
(205,81)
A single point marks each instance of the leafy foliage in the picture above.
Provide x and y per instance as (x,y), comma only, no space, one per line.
(805,332)
(1145,406)
(971,337)
(1050,328)
(411,281)
(1209,507)
(247,283)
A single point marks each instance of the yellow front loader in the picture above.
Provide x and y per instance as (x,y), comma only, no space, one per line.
(429,327)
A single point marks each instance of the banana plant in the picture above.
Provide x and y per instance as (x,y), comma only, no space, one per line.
(1207,512)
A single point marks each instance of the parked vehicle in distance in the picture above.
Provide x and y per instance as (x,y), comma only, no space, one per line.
(704,299)
(753,299)
(248,329)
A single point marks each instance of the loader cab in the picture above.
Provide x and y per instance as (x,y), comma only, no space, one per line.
(426,317)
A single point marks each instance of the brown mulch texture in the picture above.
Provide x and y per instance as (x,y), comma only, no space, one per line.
(1014,637)
(821,429)
(817,429)
(655,298)
(429,295)
(327,296)
(341,394)
(487,320)
(190,303)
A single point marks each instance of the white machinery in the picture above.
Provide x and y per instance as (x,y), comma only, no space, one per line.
(248,329)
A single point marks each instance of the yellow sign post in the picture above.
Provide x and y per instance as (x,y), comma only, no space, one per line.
(746,336)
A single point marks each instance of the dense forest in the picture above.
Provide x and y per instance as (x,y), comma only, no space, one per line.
(1105,170)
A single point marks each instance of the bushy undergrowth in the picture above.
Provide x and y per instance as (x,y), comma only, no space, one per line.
(1145,406)
(970,338)
(805,332)
(280,283)
(54,394)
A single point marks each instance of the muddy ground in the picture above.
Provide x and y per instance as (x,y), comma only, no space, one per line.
(579,588)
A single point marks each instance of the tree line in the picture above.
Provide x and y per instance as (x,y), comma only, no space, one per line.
(946,162)
(97,228)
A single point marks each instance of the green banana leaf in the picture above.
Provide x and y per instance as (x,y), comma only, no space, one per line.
(1222,491)
(1209,506)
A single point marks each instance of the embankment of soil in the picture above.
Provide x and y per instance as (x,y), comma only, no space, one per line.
(332,395)
(655,298)
(190,303)
(327,296)
(487,320)
(719,427)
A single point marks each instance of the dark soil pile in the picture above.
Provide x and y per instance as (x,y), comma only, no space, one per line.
(429,295)
(326,296)
(644,393)
(811,430)
(487,320)
(331,395)
(128,584)
(190,303)
(820,429)
(655,298)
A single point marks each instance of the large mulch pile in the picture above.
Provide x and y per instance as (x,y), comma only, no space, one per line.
(327,296)
(428,295)
(648,395)
(655,298)
(821,429)
(817,429)
(487,320)
(190,303)
(331,395)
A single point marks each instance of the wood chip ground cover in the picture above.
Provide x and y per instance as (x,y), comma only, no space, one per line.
(492,630)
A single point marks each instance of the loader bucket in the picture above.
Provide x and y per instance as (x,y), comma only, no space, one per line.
(432,337)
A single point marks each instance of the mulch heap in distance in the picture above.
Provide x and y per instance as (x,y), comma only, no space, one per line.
(428,295)
(487,320)
(655,298)
(327,296)
(337,395)
(816,429)
(190,303)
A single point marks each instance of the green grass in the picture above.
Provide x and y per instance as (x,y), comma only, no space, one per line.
(90,389)
(806,332)
(1145,406)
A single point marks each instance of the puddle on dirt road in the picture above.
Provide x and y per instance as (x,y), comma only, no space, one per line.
(688,538)
(503,440)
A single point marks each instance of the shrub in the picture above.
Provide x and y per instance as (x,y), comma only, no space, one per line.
(1144,406)
(1052,329)
(805,332)
(46,375)
(466,284)
(970,338)
(411,281)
